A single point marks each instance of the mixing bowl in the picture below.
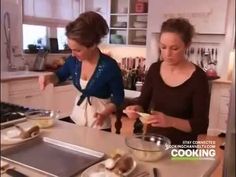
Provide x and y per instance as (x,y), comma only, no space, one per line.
(42,118)
(148,147)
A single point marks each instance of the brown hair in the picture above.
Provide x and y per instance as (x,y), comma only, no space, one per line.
(180,26)
(87,29)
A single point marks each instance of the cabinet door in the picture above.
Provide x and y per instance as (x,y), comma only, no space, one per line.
(128,25)
(26,92)
(28,100)
(222,122)
(102,8)
(219,107)
(52,9)
(63,99)
(208,17)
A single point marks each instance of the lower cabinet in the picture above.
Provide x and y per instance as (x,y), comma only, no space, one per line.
(26,92)
(63,99)
(219,107)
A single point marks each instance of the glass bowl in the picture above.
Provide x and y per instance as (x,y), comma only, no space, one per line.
(148,147)
(42,118)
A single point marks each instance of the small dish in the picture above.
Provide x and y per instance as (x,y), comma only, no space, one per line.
(12,137)
(98,170)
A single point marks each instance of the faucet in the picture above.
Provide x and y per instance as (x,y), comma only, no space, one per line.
(7,30)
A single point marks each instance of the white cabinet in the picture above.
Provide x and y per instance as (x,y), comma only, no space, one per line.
(26,92)
(51,9)
(128,23)
(208,17)
(63,99)
(219,107)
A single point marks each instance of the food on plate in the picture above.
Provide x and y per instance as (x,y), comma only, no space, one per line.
(31,132)
(116,166)
(111,162)
(124,164)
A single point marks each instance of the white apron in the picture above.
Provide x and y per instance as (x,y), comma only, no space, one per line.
(83,114)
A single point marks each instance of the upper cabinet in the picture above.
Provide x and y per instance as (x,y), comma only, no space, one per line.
(45,11)
(208,16)
(128,22)
(100,6)
(127,19)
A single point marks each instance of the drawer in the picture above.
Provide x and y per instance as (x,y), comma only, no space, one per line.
(23,86)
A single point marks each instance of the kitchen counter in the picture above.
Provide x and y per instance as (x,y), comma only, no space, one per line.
(108,142)
(6,75)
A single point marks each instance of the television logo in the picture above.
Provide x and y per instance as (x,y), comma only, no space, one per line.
(193,150)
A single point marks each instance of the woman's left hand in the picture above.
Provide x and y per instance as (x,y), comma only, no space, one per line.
(159,119)
(100,117)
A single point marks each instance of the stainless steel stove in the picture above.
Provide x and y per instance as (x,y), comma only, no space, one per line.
(12,114)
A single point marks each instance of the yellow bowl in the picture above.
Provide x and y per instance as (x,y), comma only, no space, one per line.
(42,118)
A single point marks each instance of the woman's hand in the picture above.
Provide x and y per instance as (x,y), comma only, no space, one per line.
(130,111)
(159,119)
(100,117)
(44,80)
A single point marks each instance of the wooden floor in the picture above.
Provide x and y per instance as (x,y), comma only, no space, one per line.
(127,129)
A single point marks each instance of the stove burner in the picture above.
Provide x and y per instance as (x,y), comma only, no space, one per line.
(12,113)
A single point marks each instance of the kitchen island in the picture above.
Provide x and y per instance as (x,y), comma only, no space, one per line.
(107,142)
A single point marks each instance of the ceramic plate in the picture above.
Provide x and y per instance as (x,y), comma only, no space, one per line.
(11,137)
(98,170)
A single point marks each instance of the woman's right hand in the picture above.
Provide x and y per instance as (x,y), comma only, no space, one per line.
(131,111)
(43,81)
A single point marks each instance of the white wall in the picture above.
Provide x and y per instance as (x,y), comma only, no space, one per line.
(14,7)
(120,51)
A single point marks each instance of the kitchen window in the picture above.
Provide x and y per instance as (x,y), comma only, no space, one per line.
(40,28)
(61,38)
(34,35)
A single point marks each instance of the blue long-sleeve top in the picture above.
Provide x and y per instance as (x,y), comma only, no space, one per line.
(106,81)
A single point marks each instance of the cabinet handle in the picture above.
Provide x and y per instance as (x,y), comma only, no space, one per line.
(28,96)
